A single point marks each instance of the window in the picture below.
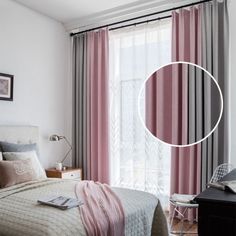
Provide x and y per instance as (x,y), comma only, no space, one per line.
(138,160)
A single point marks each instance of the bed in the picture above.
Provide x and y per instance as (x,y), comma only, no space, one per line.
(20,214)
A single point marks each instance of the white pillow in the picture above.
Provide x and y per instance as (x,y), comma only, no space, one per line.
(0,156)
(39,171)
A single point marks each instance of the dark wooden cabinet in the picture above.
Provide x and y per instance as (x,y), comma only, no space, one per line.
(217,211)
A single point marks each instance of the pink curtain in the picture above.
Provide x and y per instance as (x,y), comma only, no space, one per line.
(167,104)
(186,46)
(158,104)
(97,126)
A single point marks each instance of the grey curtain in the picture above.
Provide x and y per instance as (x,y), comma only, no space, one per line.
(80,101)
(204,104)
(195,105)
(215,53)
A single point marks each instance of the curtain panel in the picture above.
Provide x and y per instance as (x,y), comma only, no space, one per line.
(186,161)
(90,107)
(200,35)
(215,59)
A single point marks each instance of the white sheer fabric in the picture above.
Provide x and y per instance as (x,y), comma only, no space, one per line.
(138,160)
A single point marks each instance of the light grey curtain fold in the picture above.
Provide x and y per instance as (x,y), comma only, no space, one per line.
(80,97)
(215,50)
(199,78)
(191,106)
(201,106)
(207,106)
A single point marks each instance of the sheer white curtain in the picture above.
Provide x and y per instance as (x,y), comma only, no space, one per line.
(138,160)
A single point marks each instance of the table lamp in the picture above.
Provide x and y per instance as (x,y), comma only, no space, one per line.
(56,137)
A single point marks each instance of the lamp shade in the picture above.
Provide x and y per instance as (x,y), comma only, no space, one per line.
(55,137)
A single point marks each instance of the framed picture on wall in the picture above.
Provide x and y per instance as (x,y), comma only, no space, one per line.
(6,87)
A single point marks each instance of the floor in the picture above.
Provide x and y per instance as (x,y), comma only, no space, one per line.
(188,228)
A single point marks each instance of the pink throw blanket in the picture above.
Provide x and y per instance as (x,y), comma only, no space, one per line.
(102,213)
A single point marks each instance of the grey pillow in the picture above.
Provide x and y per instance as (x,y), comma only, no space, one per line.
(15,147)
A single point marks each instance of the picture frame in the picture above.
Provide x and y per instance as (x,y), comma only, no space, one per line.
(6,87)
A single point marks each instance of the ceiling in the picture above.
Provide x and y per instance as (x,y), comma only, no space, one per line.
(79,13)
(66,11)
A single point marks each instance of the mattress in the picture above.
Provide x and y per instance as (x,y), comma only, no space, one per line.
(20,214)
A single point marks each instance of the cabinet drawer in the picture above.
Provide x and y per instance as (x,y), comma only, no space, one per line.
(71,175)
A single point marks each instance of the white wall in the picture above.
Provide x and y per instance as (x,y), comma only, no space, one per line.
(232,20)
(34,48)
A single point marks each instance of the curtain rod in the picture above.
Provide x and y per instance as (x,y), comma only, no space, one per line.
(140,22)
(139,17)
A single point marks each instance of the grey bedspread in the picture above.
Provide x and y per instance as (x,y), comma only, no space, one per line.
(21,215)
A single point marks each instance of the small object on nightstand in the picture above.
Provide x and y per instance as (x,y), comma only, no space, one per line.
(59,166)
(68,173)
(64,168)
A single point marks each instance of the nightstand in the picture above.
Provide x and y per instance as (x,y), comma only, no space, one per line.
(217,210)
(69,173)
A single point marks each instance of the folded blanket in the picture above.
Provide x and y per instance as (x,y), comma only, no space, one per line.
(102,213)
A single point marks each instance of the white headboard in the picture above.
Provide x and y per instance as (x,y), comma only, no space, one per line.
(19,134)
